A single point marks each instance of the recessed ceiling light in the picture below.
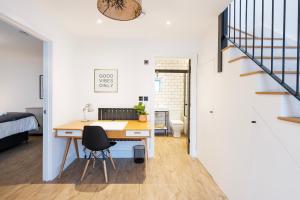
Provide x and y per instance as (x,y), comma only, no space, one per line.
(168,22)
(99,21)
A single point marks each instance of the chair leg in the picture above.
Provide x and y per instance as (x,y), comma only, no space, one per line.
(105,171)
(85,168)
(104,166)
(94,161)
(111,160)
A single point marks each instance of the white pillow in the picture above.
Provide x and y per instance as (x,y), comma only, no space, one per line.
(2,113)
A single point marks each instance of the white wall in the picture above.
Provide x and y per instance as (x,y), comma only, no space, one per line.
(135,78)
(248,161)
(21,64)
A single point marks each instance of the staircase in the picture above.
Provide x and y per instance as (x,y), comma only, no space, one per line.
(261,50)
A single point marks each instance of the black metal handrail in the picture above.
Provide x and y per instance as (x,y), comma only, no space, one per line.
(239,12)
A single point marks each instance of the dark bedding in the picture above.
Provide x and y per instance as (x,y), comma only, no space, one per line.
(13,116)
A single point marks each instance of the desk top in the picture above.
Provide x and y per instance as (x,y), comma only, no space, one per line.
(131,125)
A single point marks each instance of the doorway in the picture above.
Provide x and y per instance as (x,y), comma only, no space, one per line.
(43,90)
(172,98)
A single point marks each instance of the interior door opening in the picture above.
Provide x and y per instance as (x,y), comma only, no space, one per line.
(33,52)
(172,99)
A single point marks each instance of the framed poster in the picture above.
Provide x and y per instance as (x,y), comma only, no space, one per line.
(106,80)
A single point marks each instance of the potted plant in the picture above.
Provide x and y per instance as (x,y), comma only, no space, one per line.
(140,109)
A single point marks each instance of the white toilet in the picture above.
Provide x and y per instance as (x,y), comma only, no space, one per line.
(177,127)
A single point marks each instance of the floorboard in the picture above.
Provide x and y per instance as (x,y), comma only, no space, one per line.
(172,174)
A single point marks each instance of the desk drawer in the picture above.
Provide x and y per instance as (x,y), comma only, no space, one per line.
(69,133)
(137,133)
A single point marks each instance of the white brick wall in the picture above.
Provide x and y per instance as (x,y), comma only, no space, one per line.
(171,96)
(176,63)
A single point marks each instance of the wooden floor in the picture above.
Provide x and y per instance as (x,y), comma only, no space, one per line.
(172,174)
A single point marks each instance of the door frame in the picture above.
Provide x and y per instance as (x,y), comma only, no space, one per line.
(47,91)
(189,107)
(193,101)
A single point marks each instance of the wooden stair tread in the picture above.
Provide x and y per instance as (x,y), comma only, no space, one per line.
(259,47)
(272,93)
(228,47)
(263,72)
(238,58)
(290,119)
(264,57)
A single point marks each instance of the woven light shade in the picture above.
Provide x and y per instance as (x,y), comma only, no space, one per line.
(122,10)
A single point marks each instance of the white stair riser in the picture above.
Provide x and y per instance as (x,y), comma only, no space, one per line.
(257,42)
(290,106)
(235,52)
(267,33)
(267,83)
(266,52)
(290,65)
(276,52)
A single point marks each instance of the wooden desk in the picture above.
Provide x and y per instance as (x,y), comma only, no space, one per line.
(133,131)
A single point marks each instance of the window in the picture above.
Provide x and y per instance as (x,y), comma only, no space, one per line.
(157,85)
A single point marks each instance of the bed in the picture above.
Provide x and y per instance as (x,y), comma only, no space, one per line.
(14,127)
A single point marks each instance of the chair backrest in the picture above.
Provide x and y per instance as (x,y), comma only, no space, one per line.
(117,114)
(94,138)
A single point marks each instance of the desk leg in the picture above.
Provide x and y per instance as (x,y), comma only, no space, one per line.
(146,154)
(65,156)
(76,147)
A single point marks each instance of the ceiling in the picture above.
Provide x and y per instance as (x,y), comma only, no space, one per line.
(188,18)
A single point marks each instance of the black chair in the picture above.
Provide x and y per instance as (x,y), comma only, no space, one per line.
(94,138)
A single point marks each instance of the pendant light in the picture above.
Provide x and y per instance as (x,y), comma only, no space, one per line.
(121,10)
